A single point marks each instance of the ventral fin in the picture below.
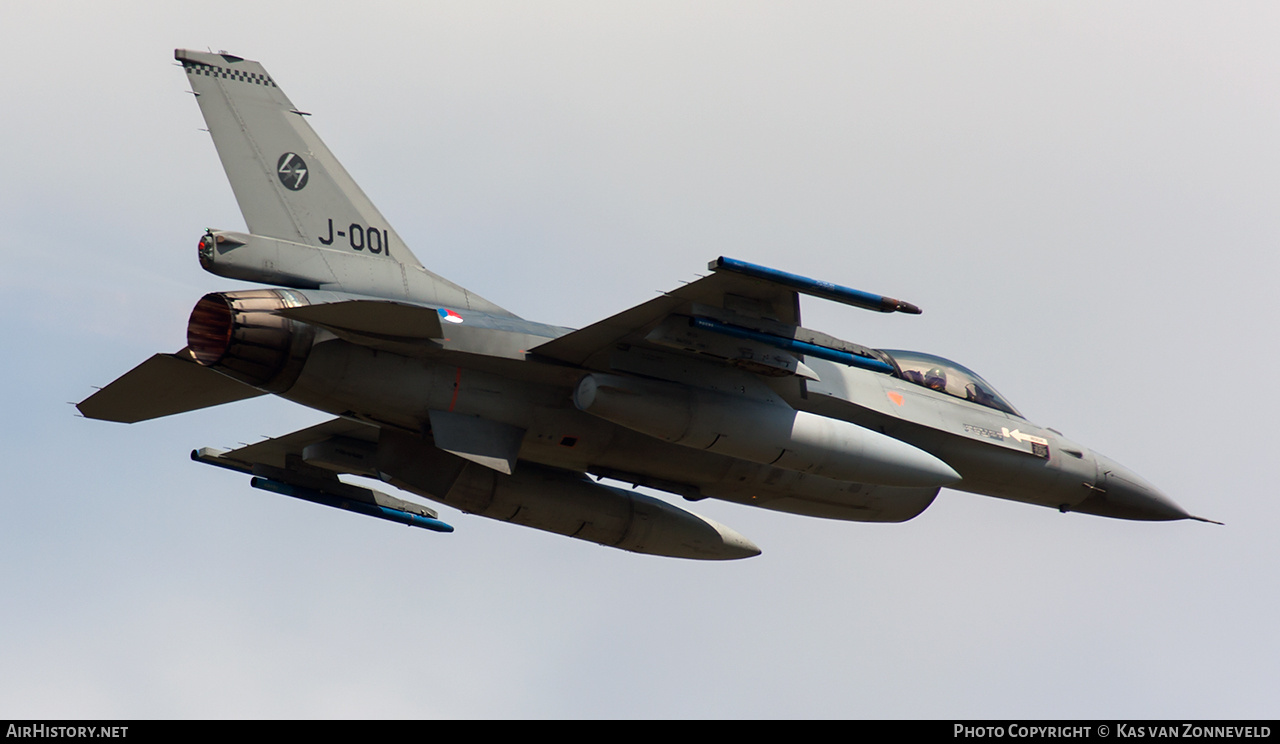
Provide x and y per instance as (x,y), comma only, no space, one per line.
(493,444)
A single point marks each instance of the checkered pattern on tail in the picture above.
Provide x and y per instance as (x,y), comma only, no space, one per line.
(199,68)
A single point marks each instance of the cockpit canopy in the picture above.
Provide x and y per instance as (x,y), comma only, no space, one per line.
(945,376)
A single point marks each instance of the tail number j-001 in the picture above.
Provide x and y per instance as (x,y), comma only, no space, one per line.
(360,238)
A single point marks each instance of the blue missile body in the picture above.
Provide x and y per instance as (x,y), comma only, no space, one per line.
(814,287)
(359,507)
(792,345)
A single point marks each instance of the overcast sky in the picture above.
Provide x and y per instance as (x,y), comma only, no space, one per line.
(1081,196)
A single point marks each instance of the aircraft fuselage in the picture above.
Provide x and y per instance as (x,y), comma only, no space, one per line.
(711,390)
(995,454)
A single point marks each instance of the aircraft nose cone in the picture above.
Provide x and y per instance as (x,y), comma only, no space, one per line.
(1119,492)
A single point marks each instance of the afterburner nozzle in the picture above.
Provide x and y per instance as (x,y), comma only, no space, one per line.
(240,335)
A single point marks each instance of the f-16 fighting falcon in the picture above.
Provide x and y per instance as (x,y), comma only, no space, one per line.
(714,390)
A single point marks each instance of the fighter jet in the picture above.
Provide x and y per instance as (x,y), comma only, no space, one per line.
(714,390)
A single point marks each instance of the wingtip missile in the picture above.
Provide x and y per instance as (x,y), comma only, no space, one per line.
(815,287)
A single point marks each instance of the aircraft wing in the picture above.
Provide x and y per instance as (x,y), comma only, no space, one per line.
(718,290)
(754,308)
(286,451)
(305,465)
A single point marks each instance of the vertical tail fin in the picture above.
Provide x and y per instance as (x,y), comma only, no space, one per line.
(287,183)
(291,188)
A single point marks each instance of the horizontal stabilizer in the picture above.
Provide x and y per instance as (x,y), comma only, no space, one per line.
(372,318)
(163,385)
